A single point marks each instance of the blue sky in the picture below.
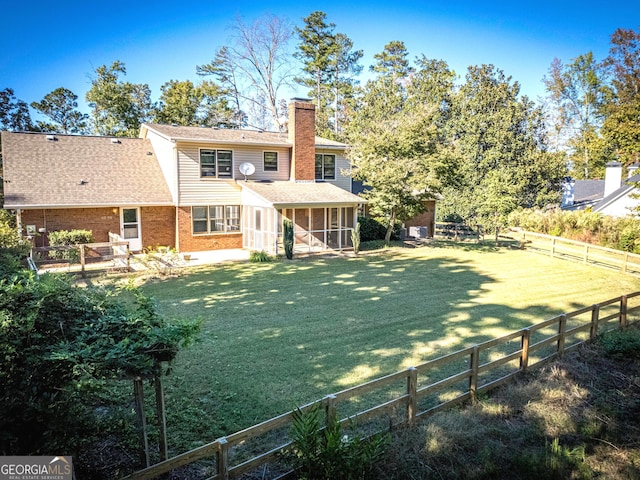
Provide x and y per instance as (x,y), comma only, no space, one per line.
(46,45)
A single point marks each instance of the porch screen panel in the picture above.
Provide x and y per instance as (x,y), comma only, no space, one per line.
(347,226)
(333,224)
(318,227)
(301,231)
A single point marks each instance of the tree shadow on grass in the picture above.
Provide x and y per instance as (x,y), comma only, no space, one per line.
(278,335)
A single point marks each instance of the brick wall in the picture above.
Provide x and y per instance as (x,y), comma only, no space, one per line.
(158,226)
(100,221)
(197,243)
(425,219)
(302,135)
(158,223)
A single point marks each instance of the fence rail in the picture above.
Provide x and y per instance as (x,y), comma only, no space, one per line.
(458,231)
(581,252)
(422,390)
(115,250)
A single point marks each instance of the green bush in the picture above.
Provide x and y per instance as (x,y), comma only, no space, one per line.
(57,342)
(260,257)
(621,344)
(584,225)
(287,237)
(64,238)
(373,229)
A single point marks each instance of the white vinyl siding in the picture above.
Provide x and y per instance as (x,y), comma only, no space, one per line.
(197,190)
(342,163)
(166,155)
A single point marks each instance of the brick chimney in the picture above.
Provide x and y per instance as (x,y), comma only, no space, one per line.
(302,135)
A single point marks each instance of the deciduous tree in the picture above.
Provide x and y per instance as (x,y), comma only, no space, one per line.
(14,113)
(253,68)
(499,141)
(621,126)
(577,92)
(118,107)
(397,149)
(183,103)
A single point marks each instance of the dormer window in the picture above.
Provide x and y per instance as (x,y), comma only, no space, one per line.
(325,167)
(216,164)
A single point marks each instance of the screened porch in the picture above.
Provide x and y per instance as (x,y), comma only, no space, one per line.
(316,229)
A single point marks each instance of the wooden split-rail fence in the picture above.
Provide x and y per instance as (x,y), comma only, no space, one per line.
(586,253)
(403,397)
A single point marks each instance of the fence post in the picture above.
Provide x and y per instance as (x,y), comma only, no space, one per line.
(524,344)
(160,413)
(330,410)
(223,459)
(595,317)
(473,378)
(624,262)
(562,327)
(553,246)
(586,254)
(623,311)
(138,392)
(412,388)
(82,261)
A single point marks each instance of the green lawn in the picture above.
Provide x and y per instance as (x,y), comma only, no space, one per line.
(277,335)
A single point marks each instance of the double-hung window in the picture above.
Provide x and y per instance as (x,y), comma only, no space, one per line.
(270,161)
(216,219)
(216,163)
(325,166)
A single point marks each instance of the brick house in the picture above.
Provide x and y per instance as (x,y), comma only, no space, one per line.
(188,188)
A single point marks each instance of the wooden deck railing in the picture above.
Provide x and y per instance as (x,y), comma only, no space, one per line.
(116,250)
(415,392)
(579,251)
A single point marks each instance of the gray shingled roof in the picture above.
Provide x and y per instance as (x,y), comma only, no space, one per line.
(284,194)
(628,185)
(80,171)
(224,135)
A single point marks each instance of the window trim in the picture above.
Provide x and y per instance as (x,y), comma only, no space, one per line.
(264,165)
(323,168)
(216,164)
(237,221)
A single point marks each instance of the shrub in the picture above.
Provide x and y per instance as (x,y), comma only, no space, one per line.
(287,237)
(58,340)
(621,344)
(61,238)
(260,257)
(319,453)
(373,229)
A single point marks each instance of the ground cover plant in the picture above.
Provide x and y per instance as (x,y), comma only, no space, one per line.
(574,418)
(277,335)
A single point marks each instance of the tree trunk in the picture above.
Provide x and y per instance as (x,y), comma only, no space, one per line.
(392,222)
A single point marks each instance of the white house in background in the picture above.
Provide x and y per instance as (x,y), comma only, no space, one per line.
(611,196)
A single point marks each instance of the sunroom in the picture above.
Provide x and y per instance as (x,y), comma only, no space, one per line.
(323,215)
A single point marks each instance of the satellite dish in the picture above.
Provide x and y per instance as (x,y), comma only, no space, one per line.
(246,168)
